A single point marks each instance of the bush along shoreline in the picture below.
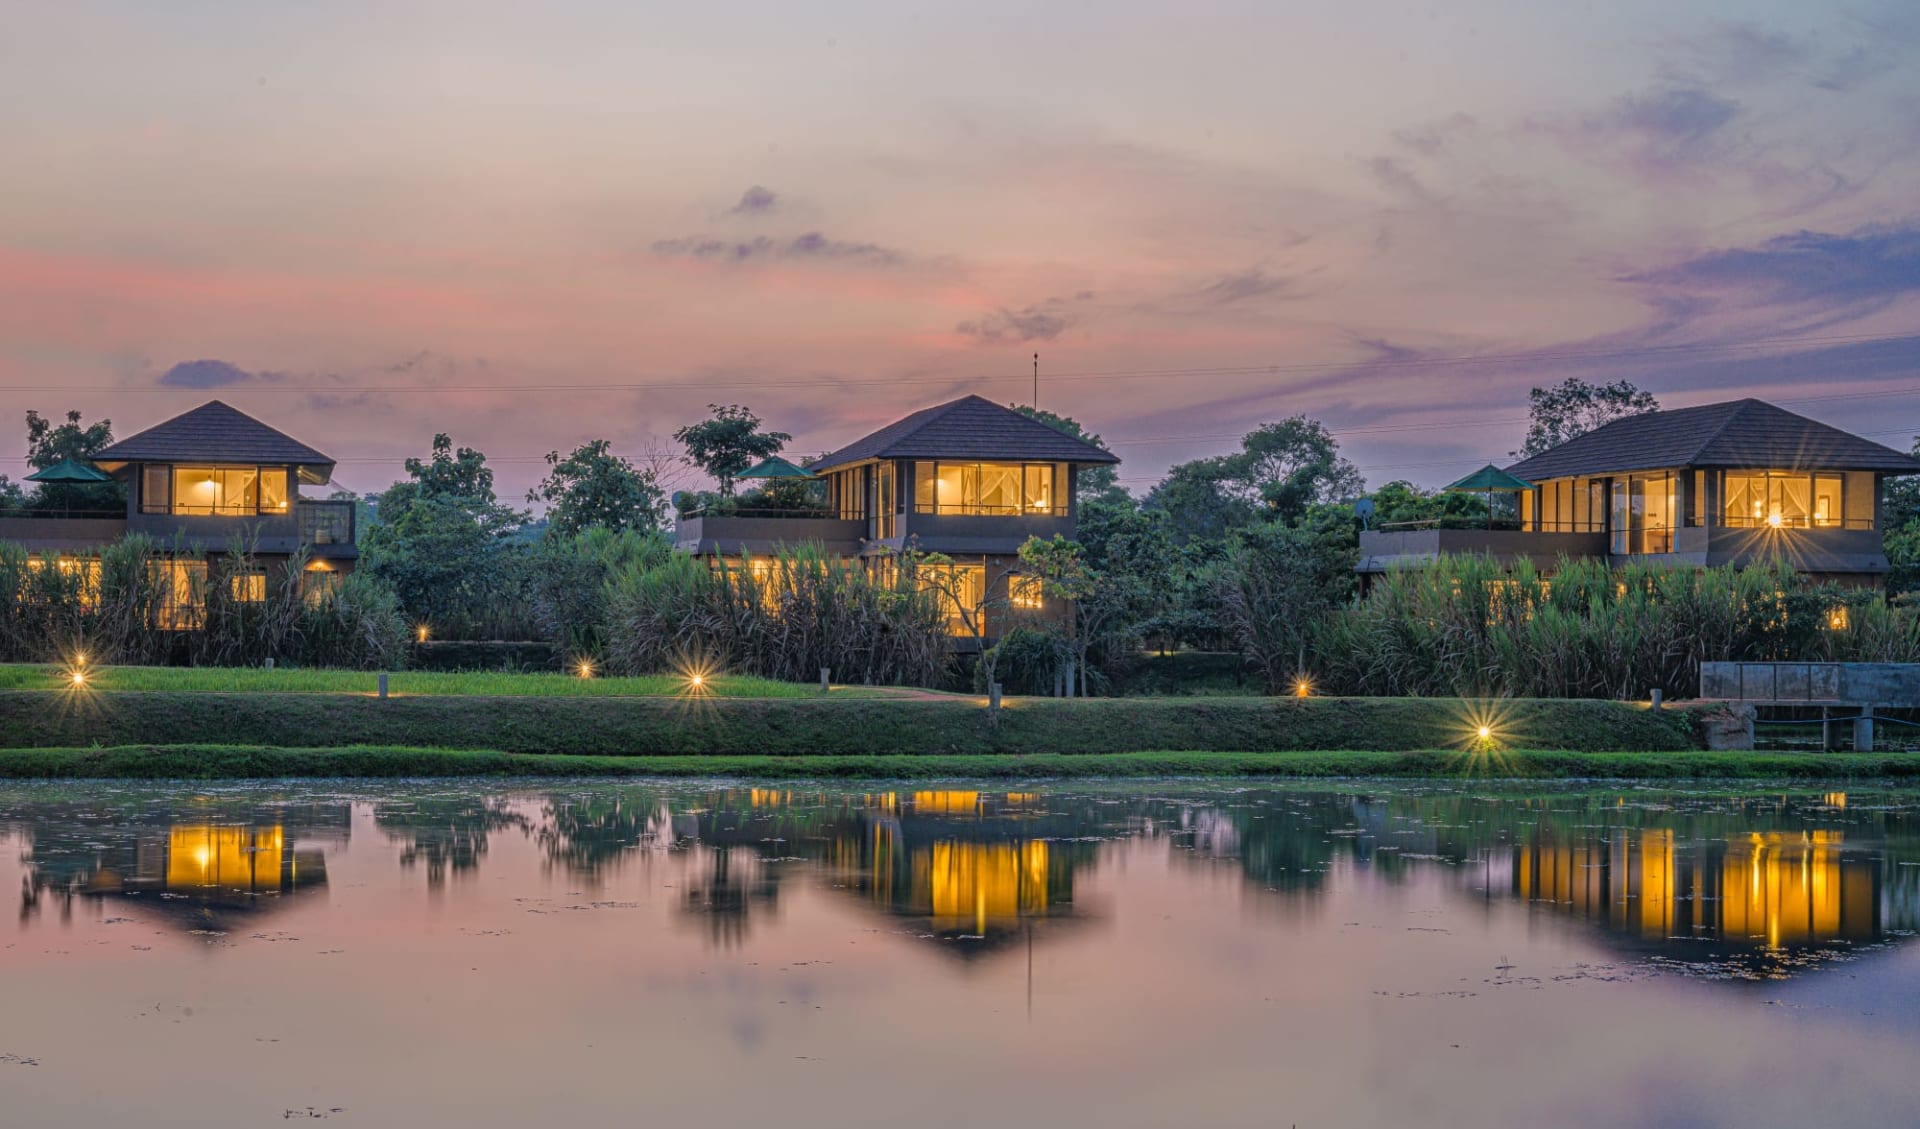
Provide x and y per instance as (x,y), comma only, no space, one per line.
(644,727)
(236,762)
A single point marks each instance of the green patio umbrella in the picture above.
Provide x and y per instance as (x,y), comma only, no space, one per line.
(69,470)
(775,467)
(1489,479)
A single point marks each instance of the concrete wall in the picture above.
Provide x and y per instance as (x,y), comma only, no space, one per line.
(1385,549)
(1887,684)
(52,535)
(764,535)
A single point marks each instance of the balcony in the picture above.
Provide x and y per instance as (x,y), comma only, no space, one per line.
(326,526)
(763,531)
(1411,546)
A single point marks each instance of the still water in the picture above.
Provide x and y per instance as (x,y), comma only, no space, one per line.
(1148,954)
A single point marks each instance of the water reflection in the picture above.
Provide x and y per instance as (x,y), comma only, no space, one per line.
(208,872)
(1679,876)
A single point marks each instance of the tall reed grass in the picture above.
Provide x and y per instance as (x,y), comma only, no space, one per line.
(1469,626)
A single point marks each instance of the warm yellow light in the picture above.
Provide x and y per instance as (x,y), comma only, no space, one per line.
(586,670)
(421,632)
(1773,520)
(79,678)
(80,659)
(1486,731)
(1302,688)
(697,680)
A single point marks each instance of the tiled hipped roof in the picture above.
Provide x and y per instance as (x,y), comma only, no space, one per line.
(214,432)
(1737,434)
(969,428)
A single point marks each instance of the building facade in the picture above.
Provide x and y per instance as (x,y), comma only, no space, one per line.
(201,486)
(968,479)
(1734,483)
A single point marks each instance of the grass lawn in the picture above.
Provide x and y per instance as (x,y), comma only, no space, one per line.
(165,762)
(253,680)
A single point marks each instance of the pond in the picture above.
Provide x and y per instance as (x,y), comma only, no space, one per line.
(1143,954)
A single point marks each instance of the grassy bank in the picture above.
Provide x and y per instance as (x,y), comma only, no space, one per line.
(204,762)
(255,680)
(600,726)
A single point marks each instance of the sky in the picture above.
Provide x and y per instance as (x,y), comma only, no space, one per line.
(531,225)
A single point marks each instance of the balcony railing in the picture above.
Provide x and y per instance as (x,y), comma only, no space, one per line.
(325,522)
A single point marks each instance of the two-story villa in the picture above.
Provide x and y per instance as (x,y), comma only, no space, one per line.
(1733,483)
(969,479)
(199,485)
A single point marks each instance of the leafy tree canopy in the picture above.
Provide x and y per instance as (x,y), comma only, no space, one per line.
(1281,470)
(594,488)
(459,479)
(728,442)
(1574,407)
(48,443)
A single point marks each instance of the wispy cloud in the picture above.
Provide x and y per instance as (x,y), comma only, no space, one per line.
(1871,264)
(755,201)
(1240,286)
(209,373)
(1042,322)
(812,246)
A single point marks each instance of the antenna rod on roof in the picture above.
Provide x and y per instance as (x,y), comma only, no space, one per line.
(1036,382)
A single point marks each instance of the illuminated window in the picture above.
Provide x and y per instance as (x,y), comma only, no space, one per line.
(273,490)
(79,578)
(247,586)
(1788,500)
(216,491)
(1024,592)
(987,488)
(319,583)
(962,589)
(180,593)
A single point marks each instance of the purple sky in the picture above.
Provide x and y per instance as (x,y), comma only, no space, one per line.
(532,225)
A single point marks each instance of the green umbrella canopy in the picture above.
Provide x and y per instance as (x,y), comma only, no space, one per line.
(1488,478)
(775,467)
(67,470)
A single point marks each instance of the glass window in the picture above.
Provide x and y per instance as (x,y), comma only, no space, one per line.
(962,590)
(1827,498)
(1697,504)
(180,594)
(319,585)
(884,502)
(1862,491)
(1622,527)
(156,497)
(216,491)
(1789,498)
(273,490)
(1006,489)
(248,586)
(1039,491)
(1024,592)
(1743,499)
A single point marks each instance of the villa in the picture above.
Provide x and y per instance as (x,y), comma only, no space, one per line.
(200,485)
(969,479)
(1733,483)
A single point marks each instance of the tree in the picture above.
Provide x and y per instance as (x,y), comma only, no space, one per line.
(1294,464)
(1901,507)
(1574,407)
(48,444)
(1281,470)
(728,443)
(1096,601)
(1276,583)
(1102,482)
(594,488)
(461,478)
(1400,501)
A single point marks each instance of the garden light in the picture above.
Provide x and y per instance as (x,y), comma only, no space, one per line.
(1486,732)
(586,669)
(421,633)
(696,680)
(1302,688)
(79,679)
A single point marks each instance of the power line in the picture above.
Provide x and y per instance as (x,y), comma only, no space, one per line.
(1759,343)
